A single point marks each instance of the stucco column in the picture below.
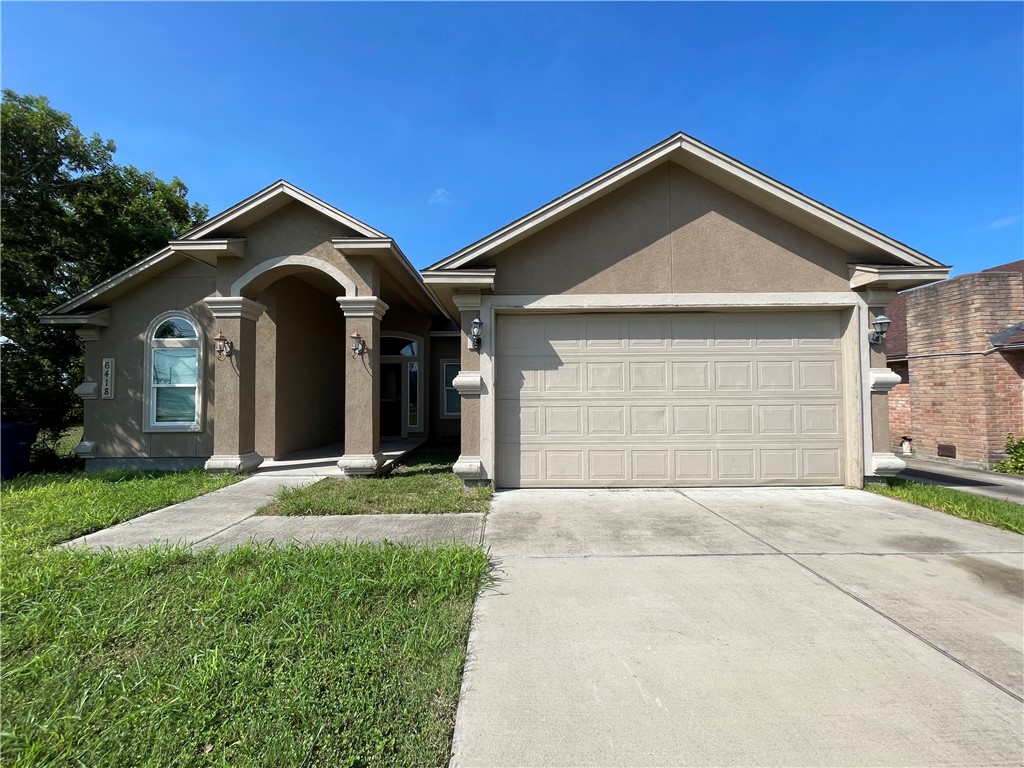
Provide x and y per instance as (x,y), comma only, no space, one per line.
(362,387)
(468,383)
(884,462)
(234,422)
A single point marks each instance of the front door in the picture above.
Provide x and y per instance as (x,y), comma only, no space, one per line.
(391,409)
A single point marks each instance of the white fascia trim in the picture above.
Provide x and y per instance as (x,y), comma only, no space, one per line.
(895,277)
(657,301)
(371,246)
(100,318)
(281,187)
(234,306)
(559,205)
(208,251)
(688,147)
(455,279)
(111,282)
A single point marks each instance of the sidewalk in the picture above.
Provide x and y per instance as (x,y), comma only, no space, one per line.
(226,518)
(995,485)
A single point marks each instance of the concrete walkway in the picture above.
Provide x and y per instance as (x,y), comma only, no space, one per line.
(995,485)
(812,627)
(226,518)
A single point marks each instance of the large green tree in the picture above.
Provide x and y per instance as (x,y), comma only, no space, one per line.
(69,218)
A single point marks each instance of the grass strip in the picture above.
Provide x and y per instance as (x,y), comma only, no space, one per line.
(997,512)
(425,485)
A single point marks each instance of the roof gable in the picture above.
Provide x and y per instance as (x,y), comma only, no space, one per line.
(777,198)
(255,207)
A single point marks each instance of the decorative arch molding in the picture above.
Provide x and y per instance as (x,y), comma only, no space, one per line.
(294,261)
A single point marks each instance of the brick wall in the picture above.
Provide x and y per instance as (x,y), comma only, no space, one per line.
(967,400)
(899,405)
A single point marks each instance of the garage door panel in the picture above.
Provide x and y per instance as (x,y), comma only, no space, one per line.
(759,402)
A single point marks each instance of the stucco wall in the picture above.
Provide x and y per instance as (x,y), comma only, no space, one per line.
(295,230)
(442,349)
(671,231)
(300,368)
(117,426)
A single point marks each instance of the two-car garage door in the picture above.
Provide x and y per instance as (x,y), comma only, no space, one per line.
(676,399)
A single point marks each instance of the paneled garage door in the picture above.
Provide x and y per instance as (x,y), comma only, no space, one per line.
(681,399)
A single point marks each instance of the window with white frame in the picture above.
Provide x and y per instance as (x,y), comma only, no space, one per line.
(173,373)
(451,404)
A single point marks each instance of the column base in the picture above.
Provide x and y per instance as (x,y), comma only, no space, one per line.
(886,464)
(229,463)
(361,465)
(471,471)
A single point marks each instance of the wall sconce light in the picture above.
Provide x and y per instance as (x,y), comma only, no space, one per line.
(224,348)
(358,346)
(881,325)
(476,332)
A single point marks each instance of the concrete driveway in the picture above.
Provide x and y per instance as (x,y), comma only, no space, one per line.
(743,627)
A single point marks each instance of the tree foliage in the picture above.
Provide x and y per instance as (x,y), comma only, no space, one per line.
(69,218)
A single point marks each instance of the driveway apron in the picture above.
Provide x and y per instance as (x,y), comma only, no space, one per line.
(743,627)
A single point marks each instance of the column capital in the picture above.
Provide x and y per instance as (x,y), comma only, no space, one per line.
(466,301)
(362,306)
(234,306)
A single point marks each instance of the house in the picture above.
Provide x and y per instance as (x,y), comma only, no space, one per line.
(679,320)
(958,347)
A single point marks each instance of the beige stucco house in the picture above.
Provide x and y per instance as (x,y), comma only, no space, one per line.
(680,320)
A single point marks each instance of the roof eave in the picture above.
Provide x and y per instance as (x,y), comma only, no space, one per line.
(708,162)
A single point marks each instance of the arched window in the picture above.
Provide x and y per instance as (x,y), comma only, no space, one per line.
(173,374)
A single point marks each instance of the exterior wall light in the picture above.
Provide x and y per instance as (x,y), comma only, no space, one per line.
(358,346)
(881,325)
(476,332)
(224,348)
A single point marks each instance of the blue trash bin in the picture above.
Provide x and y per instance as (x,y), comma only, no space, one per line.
(16,441)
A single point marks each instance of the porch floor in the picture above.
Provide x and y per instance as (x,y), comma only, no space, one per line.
(322,461)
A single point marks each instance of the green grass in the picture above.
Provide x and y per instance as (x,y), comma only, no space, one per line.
(997,512)
(40,510)
(341,655)
(425,485)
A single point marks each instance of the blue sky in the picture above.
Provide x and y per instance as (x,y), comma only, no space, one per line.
(439,123)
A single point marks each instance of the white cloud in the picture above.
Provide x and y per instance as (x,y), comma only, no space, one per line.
(439,197)
(1006,221)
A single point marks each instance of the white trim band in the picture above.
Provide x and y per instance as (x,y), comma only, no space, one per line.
(362,306)
(234,306)
(468,382)
(883,379)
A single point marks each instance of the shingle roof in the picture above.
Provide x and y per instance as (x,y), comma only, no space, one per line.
(1010,337)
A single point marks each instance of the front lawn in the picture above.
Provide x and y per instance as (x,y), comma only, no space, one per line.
(42,510)
(424,485)
(341,655)
(997,512)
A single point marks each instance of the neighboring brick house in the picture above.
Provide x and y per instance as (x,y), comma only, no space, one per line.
(958,345)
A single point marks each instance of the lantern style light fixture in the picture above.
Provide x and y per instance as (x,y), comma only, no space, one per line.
(224,348)
(476,332)
(881,325)
(358,346)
